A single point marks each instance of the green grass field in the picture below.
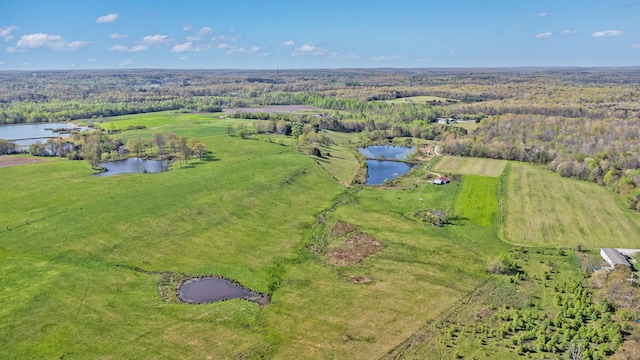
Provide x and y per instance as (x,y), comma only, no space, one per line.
(470,166)
(85,260)
(545,209)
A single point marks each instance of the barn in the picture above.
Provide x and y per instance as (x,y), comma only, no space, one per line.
(613,257)
(441,180)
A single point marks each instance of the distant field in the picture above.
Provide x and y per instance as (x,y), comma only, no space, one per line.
(469,125)
(277,109)
(416,99)
(543,208)
(470,166)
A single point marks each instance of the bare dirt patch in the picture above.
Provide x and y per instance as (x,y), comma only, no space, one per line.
(341,229)
(10,160)
(357,247)
(359,279)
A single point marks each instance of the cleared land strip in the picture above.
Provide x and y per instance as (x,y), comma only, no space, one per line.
(543,208)
(470,166)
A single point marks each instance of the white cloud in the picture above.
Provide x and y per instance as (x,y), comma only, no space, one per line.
(135,48)
(46,41)
(384,58)
(118,36)
(205,30)
(232,50)
(127,62)
(255,49)
(289,43)
(2,63)
(635,46)
(138,47)
(107,19)
(147,43)
(5,32)
(119,48)
(183,57)
(309,49)
(568,32)
(198,36)
(223,38)
(543,14)
(188,46)
(187,27)
(154,40)
(544,35)
(607,33)
(92,60)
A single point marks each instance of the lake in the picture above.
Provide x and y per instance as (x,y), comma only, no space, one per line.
(380,170)
(28,134)
(212,289)
(133,165)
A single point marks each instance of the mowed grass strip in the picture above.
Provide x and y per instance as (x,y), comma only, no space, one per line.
(477,201)
(470,166)
(543,208)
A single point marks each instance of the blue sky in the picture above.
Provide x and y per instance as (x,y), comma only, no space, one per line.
(278,34)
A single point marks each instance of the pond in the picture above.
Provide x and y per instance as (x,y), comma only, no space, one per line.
(380,170)
(387,152)
(133,165)
(28,134)
(212,289)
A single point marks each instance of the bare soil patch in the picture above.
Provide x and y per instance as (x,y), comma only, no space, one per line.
(341,229)
(357,247)
(359,279)
(10,160)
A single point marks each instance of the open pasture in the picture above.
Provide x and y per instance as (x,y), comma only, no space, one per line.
(470,166)
(541,208)
(86,257)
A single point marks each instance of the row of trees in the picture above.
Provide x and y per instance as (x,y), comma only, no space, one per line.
(60,111)
(96,147)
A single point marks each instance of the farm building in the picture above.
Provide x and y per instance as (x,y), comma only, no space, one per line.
(613,257)
(441,180)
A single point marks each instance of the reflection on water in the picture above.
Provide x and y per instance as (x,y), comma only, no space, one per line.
(133,165)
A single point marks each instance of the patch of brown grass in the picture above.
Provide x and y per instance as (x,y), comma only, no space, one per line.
(341,229)
(357,247)
(359,279)
(10,160)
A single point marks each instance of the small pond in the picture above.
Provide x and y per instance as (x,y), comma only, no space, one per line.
(380,170)
(213,289)
(387,152)
(28,134)
(133,165)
